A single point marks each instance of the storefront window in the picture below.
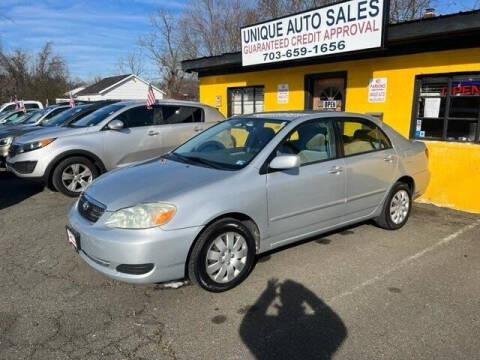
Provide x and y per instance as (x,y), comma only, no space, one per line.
(448,108)
(245,100)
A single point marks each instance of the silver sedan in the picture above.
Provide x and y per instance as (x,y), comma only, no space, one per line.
(243,187)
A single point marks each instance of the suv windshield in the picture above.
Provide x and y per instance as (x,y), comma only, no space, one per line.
(97,116)
(62,117)
(232,144)
(30,118)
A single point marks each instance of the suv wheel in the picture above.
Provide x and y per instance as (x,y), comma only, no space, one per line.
(73,175)
(397,208)
(223,256)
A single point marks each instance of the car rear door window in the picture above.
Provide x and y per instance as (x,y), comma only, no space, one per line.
(136,117)
(313,141)
(31,106)
(181,114)
(362,136)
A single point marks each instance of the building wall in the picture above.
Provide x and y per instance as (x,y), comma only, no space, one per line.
(133,89)
(455,167)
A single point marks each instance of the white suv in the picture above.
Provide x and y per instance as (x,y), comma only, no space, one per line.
(29,104)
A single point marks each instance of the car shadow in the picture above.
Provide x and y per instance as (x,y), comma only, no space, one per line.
(14,190)
(288,321)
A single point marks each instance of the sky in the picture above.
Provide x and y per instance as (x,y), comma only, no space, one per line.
(93,34)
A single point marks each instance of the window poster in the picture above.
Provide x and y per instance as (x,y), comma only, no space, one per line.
(432,107)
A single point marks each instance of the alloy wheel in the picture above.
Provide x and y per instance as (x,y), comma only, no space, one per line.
(76,177)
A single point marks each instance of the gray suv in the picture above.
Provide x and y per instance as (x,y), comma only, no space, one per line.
(117,135)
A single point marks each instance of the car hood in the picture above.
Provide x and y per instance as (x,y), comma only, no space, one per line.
(155,180)
(16,130)
(55,132)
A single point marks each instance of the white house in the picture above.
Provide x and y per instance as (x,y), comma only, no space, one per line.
(121,87)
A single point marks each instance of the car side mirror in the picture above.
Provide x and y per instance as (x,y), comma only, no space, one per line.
(284,162)
(115,125)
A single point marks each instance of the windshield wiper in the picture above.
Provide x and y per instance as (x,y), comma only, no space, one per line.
(203,161)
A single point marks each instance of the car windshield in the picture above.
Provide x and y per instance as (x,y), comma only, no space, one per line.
(31,118)
(231,144)
(97,116)
(62,117)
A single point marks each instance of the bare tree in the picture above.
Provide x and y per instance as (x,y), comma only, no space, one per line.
(132,63)
(404,10)
(163,45)
(43,76)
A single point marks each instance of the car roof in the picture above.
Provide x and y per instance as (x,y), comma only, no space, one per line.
(303,115)
(165,102)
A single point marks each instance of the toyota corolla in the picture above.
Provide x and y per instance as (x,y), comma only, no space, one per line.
(243,187)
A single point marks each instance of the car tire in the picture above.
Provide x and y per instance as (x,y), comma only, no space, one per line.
(227,247)
(72,175)
(397,207)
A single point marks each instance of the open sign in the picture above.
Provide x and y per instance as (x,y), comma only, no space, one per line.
(330,105)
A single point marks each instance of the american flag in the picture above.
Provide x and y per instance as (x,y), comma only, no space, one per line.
(150,97)
(71,102)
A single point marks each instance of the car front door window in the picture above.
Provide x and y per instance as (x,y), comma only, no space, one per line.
(312,141)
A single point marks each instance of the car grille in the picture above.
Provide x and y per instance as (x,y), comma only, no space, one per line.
(90,209)
(14,150)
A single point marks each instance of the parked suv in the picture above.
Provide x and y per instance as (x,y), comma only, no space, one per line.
(40,120)
(114,136)
(28,104)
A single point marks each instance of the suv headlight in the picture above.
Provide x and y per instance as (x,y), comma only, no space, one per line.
(6,141)
(35,145)
(142,216)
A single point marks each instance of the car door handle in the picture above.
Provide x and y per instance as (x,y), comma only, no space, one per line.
(197,128)
(153,133)
(335,170)
(388,158)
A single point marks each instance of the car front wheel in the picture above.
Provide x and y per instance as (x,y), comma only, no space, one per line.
(397,208)
(223,256)
(72,176)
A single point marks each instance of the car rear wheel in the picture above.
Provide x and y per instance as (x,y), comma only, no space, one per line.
(397,207)
(72,176)
(223,256)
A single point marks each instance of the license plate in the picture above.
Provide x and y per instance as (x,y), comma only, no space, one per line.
(73,239)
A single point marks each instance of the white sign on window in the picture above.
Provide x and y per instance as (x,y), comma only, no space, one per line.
(432,107)
(377,90)
(282,94)
(349,26)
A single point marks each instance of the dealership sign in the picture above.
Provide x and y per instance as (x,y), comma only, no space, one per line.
(344,27)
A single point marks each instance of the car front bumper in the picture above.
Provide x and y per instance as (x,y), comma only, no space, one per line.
(29,165)
(109,250)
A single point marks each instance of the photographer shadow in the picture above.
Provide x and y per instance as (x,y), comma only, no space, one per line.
(300,325)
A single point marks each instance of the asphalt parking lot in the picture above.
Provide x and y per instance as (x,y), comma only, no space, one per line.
(360,293)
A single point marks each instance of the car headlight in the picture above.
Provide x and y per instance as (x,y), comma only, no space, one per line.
(142,216)
(36,145)
(6,141)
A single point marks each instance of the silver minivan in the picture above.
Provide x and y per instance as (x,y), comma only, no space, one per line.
(117,135)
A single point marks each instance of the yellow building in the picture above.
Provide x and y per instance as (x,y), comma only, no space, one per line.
(425,83)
